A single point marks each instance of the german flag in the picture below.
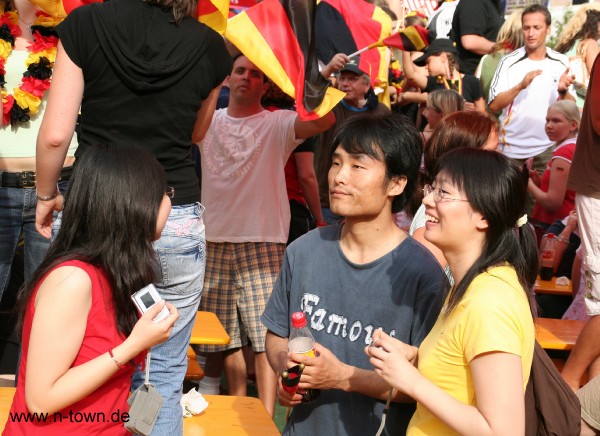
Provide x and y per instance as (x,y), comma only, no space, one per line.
(411,38)
(214,13)
(59,9)
(346,26)
(278,37)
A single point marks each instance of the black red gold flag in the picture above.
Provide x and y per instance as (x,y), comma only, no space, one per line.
(278,37)
(213,13)
(345,26)
(411,38)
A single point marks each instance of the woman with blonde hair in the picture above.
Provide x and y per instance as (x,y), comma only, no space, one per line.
(580,38)
(510,37)
(440,103)
(553,201)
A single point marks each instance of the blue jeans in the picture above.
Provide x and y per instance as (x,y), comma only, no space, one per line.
(17,214)
(181,252)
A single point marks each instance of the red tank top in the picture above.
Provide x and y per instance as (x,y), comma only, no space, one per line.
(102,411)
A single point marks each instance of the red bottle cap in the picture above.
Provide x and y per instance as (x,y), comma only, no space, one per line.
(298,320)
(550,235)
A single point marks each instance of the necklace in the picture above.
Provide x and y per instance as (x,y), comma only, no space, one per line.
(26,99)
(26,23)
(455,84)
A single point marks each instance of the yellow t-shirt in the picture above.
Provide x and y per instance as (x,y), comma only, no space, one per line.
(493,315)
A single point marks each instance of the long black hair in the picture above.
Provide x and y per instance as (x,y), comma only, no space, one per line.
(495,188)
(109,220)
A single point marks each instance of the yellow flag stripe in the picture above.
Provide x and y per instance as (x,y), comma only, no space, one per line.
(242,32)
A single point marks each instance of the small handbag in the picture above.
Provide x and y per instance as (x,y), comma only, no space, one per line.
(144,406)
(551,407)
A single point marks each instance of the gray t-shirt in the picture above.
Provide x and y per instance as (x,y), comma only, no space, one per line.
(402,293)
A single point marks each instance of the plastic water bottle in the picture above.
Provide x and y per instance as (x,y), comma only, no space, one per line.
(302,341)
(547,258)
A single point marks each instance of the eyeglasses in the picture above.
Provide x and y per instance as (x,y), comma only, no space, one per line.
(438,194)
(170,191)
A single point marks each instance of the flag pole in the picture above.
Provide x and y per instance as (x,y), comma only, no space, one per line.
(369,47)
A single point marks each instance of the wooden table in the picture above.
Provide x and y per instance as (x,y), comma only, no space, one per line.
(550,287)
(227,416)
(6,397)
(208,330)
(557,334)
(231,416)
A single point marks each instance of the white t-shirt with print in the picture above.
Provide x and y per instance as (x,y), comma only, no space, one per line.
(243,180)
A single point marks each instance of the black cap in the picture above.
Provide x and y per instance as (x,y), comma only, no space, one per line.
(353,68)
(439,45)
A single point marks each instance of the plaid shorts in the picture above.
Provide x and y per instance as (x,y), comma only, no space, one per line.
(238,282)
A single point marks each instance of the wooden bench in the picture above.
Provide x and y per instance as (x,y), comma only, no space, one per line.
(208,330)
(194,370)
(557,334)
(550,287)
(230,416)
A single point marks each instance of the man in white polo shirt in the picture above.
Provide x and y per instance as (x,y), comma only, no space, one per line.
(526,82)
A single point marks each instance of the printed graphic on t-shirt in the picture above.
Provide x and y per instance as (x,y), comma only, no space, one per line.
(336,324)
(231,151)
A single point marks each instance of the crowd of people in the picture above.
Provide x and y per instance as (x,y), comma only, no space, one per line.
(408,234)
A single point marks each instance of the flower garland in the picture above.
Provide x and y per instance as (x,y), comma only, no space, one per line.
(26,99)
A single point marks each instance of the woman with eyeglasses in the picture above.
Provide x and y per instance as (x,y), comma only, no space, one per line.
(459,129)
(469,374)
(82,336)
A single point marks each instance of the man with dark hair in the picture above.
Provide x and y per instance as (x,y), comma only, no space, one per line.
(353,277)
(527,81)
(360,100)
(247,218)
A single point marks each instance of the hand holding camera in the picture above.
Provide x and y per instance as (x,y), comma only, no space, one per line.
(157,320)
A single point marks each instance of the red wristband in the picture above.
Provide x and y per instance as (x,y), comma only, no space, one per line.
(119,364)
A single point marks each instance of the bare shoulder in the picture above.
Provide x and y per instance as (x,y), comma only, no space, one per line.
(69,284)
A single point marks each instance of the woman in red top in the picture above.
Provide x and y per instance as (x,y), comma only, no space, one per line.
(81,336)
(553,199)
